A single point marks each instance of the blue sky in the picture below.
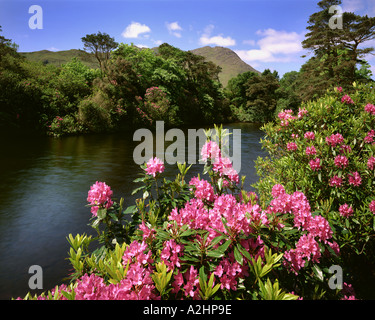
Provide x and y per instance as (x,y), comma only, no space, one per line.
(264,33)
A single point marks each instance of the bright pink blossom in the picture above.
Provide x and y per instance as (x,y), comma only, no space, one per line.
(309,135)
(355,179)
(210,150)
(335,139)
(154,166)
(335,181)
(370,136)
(292,146)
(310,151)
(99,196)
(341,161)
(372,206)
(371,163)
(346,99)
(203,189)
(315,164)
(370,108)
(345,210)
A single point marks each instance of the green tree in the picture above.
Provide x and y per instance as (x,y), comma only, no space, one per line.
(101,45)
(336,51)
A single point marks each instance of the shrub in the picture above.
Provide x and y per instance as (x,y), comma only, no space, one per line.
(326,151)
(203,239)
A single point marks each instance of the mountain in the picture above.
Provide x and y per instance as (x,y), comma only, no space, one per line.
(58,58)
(227,59)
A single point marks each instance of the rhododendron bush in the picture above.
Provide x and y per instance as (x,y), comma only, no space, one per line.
(202,238)
(327,152)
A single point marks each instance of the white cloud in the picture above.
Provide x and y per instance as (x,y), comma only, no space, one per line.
(249,42)
(141,45)
(174,28)
(158,42)
(218,40)
(134,29)
(365,7)
(53,49)
(274,46)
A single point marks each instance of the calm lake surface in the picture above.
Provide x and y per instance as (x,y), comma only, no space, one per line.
(43,192)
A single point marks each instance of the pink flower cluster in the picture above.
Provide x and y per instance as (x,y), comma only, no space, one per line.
(315,164)
(210,151)
(154,166)
(292,146)
(371,163)
(317,227)
(99,196)
(335,181)
(370,136)
(370,108)
(203,189)
(286,115)
(335,139)
(309,135)
(372,206)
(341,161)
(310,151)
(346,210)
(137,285)
(346,99)
(222,165)
(355,179)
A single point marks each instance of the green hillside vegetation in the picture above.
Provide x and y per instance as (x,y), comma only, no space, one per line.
(230,63)
(58,58)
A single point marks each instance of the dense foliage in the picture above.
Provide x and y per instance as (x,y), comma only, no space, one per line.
(327,151)
(204,239)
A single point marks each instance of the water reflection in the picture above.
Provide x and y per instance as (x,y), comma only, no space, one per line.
(43,191)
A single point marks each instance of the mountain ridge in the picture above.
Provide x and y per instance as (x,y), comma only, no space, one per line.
(230,63)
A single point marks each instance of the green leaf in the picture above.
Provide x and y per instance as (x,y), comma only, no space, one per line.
(238,256)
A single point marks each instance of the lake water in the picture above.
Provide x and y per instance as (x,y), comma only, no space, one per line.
(43,192)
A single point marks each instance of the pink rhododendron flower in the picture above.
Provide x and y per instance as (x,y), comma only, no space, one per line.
(335,139)
(306,248)
(341,161)
(370,136)
(310,151)
(346,99)
(355,179)
(370,108)
(210,150)
(203,189)
(335,181)
(223,166)
(301,113)
(372,206)
(309,135)
(371,163)
(277,190)
(345,210)
(315,164)
(339,89)
(99,195)
(154,166)
(292,146)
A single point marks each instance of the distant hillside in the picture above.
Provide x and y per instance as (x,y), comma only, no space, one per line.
(228,60)
(60,57)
